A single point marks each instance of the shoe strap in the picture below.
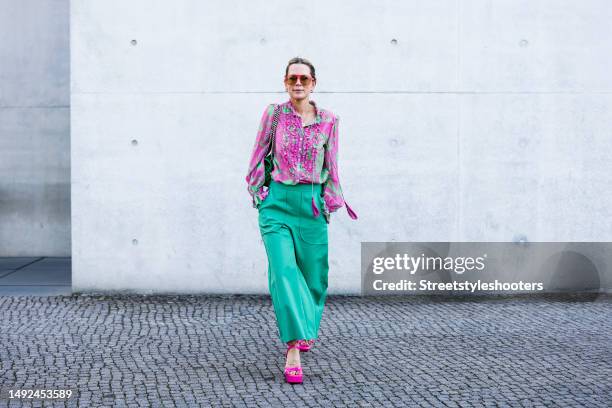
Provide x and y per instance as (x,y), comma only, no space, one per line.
(294,370)
(293,346)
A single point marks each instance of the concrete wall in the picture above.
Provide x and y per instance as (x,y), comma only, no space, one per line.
(461,121)
(34,128)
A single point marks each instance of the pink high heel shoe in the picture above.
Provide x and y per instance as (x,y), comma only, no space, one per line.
(305,345)
(293,375)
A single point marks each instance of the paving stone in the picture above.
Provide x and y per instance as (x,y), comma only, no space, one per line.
(224,351)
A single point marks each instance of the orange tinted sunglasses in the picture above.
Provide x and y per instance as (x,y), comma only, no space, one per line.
(304,79)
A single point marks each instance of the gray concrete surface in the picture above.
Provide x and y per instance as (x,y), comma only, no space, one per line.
(224,351)
(35,128)
(460,121)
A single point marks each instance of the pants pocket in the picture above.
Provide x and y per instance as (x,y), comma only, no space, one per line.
(314,235)
(265,200)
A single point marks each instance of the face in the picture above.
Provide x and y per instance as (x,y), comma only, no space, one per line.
(298,90)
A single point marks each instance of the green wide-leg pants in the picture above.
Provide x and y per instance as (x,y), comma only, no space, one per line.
(296,245)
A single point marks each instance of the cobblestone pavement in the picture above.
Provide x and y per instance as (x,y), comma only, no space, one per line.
(175,351)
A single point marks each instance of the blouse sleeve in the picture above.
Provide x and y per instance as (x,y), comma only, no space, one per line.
(256,173)
(332,192)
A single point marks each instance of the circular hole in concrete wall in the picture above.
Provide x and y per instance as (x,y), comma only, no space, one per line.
(520,239)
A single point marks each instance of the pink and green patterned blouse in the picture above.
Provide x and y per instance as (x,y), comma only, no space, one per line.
(303,154)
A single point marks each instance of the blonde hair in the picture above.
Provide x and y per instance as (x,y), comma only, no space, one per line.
(300,60)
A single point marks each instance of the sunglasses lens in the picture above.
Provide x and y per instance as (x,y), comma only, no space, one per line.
(304,80)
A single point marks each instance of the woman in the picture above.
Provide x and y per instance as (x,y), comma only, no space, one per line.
(304,183)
